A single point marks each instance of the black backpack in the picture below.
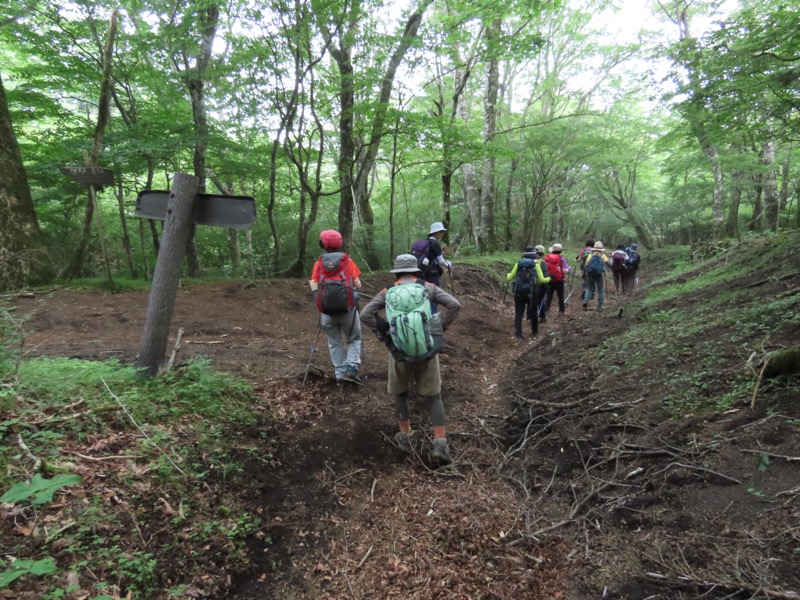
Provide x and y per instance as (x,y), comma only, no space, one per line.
(526,277)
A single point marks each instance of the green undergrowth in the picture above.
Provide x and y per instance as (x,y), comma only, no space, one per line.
(696,328)
(154,459)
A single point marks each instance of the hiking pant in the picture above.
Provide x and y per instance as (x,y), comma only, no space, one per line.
(434,402)
(435,278)
(558,288)
(426,374)
(521,305)
(541,297)
(344,340)
(594,281)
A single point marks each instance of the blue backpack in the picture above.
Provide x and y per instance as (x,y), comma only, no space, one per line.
(526,277)
(594,266)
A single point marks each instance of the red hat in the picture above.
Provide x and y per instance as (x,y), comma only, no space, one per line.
(330,239)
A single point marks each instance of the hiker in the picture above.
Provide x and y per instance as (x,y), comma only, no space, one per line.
(335,280)
(619,267)
(527,277)
(583,255)
(557,269)
(414,338)
(430,257)
(542,291)
(634,258)
(595,270)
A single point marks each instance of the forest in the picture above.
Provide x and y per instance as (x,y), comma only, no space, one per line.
(646,451)
(512,123)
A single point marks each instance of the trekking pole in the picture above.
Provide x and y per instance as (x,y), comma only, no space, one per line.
(313,351)
(502,302)
(452,285)
(575,287)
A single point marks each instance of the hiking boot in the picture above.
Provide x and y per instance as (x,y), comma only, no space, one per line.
(585,306)
(518,337)
(599,308)
(351,375)
(440,452)
(403,440)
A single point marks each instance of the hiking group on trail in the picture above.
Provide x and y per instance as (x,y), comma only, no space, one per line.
(537,277)
(413,327)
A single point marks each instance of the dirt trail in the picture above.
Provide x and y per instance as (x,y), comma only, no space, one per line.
(348,514)
(547,435)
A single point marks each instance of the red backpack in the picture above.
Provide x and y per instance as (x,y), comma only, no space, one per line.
(335,294)
(553,262)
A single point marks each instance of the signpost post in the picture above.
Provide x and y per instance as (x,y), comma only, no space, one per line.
(94,176)
(178,208)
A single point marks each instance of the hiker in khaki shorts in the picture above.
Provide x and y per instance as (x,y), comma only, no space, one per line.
(409,320)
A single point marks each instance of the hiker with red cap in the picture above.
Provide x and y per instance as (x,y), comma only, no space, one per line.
(335,279)
(557,269)
(414,337)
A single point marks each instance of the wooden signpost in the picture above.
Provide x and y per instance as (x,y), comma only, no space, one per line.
(94,176)
(178,209)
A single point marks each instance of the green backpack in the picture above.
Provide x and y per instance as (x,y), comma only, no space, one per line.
(415,333)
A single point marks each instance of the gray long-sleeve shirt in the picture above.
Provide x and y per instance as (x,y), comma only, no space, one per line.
(435,293)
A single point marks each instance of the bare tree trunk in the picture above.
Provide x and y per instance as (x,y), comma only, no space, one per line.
(161,303)
(757,221)
(123,219)
(22,258)
(195,83)
(75,266)
(783,197)
(509,195)
(771,211)
(487,231)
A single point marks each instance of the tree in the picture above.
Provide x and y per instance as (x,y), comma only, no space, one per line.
(356,161)
(22,258)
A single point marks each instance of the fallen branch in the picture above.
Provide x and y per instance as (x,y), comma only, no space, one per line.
(770,454)
(38,463)
(696,468)
(175,349)
(144,433)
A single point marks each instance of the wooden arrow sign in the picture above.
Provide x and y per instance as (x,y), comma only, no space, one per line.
(232,212)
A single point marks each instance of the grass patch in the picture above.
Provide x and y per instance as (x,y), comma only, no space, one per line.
(150,452)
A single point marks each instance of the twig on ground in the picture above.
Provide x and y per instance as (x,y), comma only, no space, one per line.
(38,463)
(144,433)
(770,454)
(696,468)
(175,349)
(363,560)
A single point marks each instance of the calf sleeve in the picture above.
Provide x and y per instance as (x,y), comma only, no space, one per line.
(401,406)
(437,409)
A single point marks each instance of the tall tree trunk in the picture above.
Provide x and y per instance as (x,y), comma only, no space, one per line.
(488,233)
(75,266)
(350,180)
(469,185)
(196,78)
(22,257)
(783,197)
(770,186)
(732,224)
(509,194)
(123,220)
(757,221)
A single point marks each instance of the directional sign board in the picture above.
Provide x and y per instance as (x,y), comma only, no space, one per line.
(232,212)
(89,175)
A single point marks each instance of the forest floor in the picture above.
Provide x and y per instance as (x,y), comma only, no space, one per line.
(585,465)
